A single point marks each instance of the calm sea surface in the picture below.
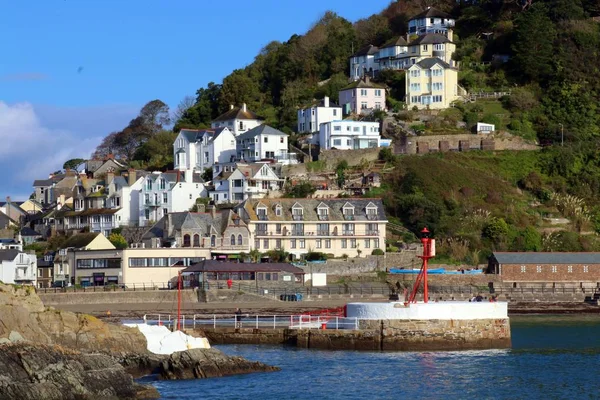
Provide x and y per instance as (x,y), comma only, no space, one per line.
(553,357)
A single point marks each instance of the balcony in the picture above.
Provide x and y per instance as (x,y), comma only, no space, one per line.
(349,217)
(372,233)
(297,232)
(322,233)
(372,217)
(24,275)
(347,233)
(323,217)
(152,203)
(262,217)
(260,232)
(298,217)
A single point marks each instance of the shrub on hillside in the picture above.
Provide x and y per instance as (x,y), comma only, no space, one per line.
(377,252)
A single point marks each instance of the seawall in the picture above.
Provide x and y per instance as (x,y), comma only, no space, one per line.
(118,297)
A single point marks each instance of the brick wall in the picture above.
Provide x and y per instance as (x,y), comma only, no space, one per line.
(550,273)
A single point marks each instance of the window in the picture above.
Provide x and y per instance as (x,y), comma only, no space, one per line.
(523,269)
(149,184)
(377,105)
(165,212)
(323,229)
(437,86)
(378,92)
(363,92)
(415,99)
(367,243)
(232,240)
(147,198)
(186,240)
(585,268)
(327,243)
(278,210)
(570,269)
(437,99)
(266,139)
(363,105)
(196,240)
(278,243)
(257,243)
(425,47)
(297,213)
(162,184)
(278,229)
(437,72)
(334,113)
(266,243)
(337,128)
(302,243)
(539,268)
(165,198)
(554,268)
(292,243)
(318,243)
(353,243)
(415,87)
(213,241)
(298,229)
(415,73)
(376,245)
(337,142)
(344,243)
(240,240)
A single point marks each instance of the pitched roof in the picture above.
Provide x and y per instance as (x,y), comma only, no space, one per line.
(8,255)
(80,240)
(202,223)
(430,38)
(546,258)
(228,266)
(192,135)
(310,206)
(16,203)
(362,84)
(27,231)
(43,182)
(427,63)
(261,130)
(397,41)
(431,13)
(237,113)
(367,50)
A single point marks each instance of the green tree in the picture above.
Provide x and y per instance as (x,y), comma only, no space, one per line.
(255,255)
(278,255)
(118,240)
(496,230)
(157,152)
(529,239)
(300,190)
(207,175)
(73,163)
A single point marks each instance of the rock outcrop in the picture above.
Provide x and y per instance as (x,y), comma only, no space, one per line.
(31,372)
(207,363)
(23,317)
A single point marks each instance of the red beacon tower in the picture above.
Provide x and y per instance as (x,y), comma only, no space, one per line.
(428,252)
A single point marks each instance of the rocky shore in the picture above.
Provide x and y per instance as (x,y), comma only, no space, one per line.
(51,354)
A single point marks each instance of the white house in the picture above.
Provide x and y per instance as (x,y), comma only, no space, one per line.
(346,135)
(17,267)
(393,54)
(485,128)
(201,149)
(311,118)
(263,142)
(430,21)
(236,183)
(362,97)
(124,195)
(362,63)
(166,192)
(237,119)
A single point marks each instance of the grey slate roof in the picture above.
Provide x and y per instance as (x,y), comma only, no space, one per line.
(546,258)
(228,266)
(237,113)
(367,50)
(431,13)
(309,206)
(397,41)
(430,38)
(427,63)
(261,130)
(43,182)
(203,223)
(8,255)
(27,231)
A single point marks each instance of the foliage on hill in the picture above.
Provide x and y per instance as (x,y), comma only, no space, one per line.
(479,202)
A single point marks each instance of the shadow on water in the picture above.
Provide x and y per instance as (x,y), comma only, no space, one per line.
(553,357)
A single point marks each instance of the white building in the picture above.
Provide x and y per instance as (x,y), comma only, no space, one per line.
(200,149)
(311,118)
(166,192)
(362,63)
(485,128)
(347,135)
(263,142)
(236,183)
(17,267)
(237,119)
(393,54)
(430,21)
(124,195)
(362,97)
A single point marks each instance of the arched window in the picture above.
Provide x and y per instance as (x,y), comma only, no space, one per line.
(232,242)
(213,241)
(196,240)
(240,240)
(186,240)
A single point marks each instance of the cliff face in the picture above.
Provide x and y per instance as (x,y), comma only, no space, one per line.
(23,317)
(31,372)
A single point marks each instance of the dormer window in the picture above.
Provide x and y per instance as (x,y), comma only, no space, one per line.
(371,211)
(348,211)
(323,212)
(149,184)
(163,183)
(297,212)
(278,210)
(261,212)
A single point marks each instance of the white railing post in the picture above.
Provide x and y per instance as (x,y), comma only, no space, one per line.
(274,321)
(145,321)
(159,319)
(214,321)
(183,321)
(336,322)
(194,323)
(257,322)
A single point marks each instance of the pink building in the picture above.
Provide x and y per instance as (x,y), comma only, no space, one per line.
(362,97)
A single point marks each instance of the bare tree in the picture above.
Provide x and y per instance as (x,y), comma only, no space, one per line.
(185,104)
(134,234)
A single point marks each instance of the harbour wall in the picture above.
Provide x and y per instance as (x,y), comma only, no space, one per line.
(118,297)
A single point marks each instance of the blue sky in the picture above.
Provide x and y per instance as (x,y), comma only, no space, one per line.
(74,70)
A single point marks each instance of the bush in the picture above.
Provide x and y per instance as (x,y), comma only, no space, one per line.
(377,252)
(301,190)
(386,154)
(315,256)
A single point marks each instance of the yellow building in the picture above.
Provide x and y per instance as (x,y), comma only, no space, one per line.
(432,45)
(154,267)
(431,83)
(334,226)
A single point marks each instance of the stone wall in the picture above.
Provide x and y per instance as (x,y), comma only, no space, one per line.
(367,264)
(354,157)
(118,297)
(462,142)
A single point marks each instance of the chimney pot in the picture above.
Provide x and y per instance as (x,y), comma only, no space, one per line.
(244,107)
(326,101)
(131,176)
(231,106)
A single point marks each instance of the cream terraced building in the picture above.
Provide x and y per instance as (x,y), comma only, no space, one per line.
(354,227)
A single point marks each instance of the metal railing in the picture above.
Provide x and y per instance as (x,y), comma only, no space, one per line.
(214,321)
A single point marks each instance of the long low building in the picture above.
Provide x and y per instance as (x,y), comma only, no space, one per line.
(545,267)
(224,270)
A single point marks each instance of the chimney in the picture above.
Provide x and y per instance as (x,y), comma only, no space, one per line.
(110,176)
(450,34)
(213,210)
(110,156)
(244,109)
(131,178)
(367,79)
(8,200)
(326,101)
(189,175)
(201,207)
(231,106)
(61,201)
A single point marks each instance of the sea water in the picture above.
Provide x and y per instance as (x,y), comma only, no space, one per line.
(553,357)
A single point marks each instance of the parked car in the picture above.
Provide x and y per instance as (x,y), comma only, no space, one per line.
(59,284)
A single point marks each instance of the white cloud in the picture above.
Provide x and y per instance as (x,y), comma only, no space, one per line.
(29,150)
